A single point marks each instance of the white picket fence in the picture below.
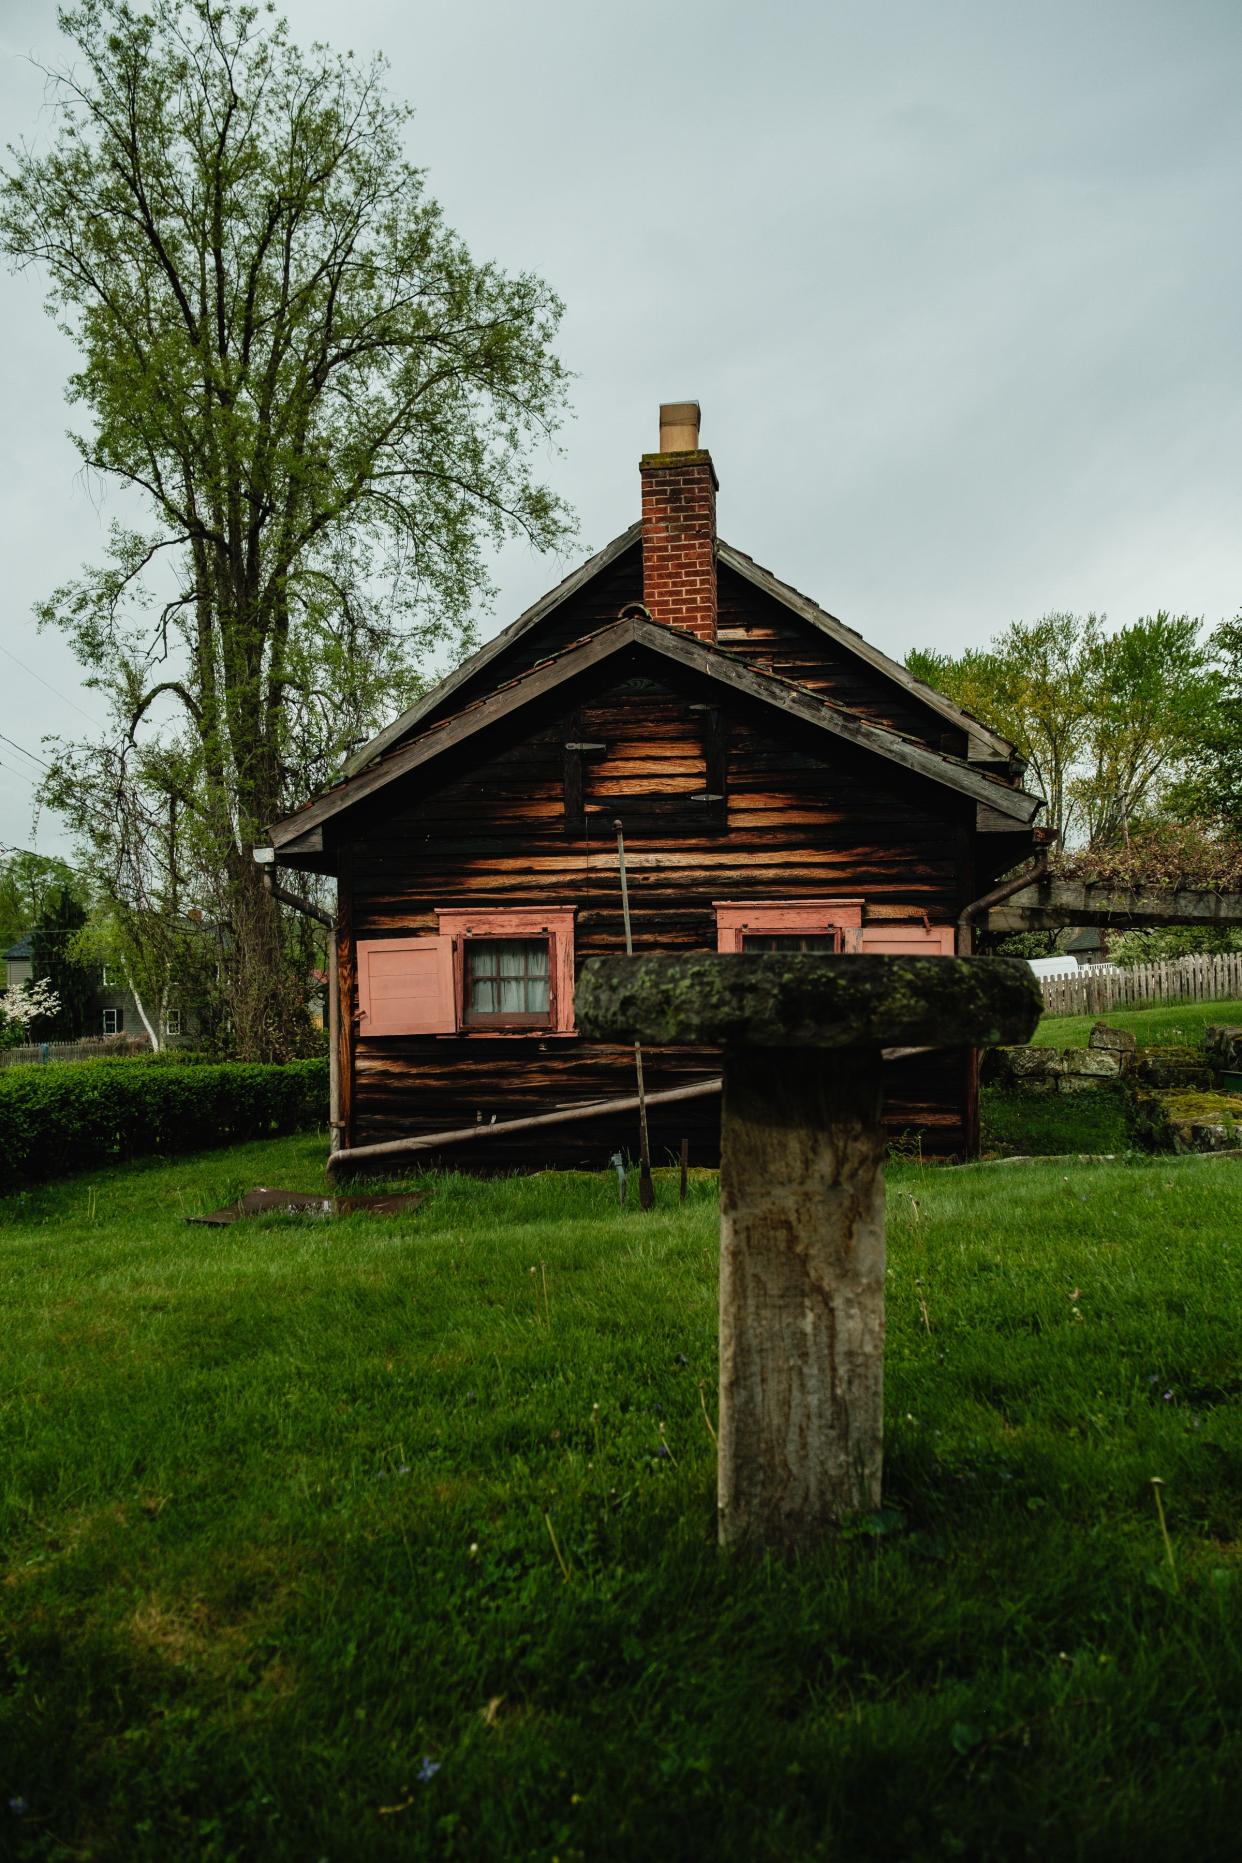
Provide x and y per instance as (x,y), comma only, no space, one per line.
(1093,992)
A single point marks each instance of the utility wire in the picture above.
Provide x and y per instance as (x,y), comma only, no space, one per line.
(14,745)
(23,776)
(63,696)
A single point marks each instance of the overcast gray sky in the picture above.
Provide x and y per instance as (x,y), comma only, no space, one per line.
(957,286)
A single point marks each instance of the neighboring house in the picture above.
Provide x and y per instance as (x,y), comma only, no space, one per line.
(19,963)
(1088,946)
(115,1011)
(119,1012)
(781,784)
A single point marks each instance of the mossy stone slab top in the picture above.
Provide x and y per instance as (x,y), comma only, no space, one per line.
(729,999)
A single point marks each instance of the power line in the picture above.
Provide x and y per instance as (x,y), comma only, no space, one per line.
(63,696)
(14,745)
(23,776)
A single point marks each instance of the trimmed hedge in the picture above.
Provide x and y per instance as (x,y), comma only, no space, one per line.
(69,1117)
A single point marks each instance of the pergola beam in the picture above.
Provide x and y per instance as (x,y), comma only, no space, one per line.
(1053,904)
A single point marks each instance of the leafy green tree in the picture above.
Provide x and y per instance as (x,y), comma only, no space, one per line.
(26,882)
(1031,685)
(1107,722)
(1212,786)
(1148,687)
(322,405)
(1169,941)
(56,961)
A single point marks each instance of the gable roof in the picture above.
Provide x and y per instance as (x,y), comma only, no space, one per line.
(23,948)
(745,566)
(674,646)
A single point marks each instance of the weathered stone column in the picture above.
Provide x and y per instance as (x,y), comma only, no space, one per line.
(802,1194)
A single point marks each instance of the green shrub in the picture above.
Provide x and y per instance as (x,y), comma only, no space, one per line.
(66,1118)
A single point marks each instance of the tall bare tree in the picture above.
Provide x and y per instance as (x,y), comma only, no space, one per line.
(322,410)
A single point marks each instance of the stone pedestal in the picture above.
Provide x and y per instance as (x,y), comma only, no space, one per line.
(802,1194)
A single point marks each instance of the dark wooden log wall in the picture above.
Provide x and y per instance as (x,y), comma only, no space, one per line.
(798,823)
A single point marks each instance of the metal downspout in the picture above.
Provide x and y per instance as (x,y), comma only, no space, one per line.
(964,937)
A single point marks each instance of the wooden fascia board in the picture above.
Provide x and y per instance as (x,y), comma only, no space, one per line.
(845,637)
(452,682)
(790,700)
(683,649)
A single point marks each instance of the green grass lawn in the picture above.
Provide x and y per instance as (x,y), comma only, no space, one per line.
(1173,1022)
(395,1538)
(1041,1125)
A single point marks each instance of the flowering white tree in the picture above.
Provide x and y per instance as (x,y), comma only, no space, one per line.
(23,1003)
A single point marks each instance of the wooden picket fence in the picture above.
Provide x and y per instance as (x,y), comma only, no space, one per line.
(37,1053)
(1093,991)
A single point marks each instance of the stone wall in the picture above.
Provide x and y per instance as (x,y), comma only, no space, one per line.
(1109,1055)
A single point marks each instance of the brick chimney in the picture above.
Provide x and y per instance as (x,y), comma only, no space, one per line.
(679,525)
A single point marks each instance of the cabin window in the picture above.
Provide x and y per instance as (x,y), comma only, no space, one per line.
(788,925)
(514,968)
(507,982)
(823,925)
(791,941)
(500,970)
(113,1021)
(172,1022)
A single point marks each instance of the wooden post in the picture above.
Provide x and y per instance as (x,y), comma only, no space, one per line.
(801,1293)
(646,1189)
(802,1195)
(334,1041)
(345,965)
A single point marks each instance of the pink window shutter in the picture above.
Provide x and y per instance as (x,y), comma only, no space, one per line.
(909,940)
(405,986)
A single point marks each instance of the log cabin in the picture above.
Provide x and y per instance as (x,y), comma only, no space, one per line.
(779,782)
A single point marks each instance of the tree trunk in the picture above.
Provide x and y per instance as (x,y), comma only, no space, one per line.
(801,1293)
(153,1034)
(264,997)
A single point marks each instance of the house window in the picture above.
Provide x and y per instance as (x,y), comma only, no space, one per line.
(500,970)
(507,982)
(113,1021)
(824,925)
(791,941)
(513,968)
(788,925)
(172,1022)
